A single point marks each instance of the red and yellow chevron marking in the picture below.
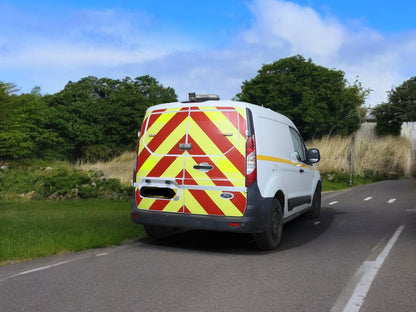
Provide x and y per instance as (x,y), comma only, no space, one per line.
(158,204)
(210,203)
(225,152)
(218,138)
(201,202)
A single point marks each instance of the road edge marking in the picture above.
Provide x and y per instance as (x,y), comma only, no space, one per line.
(362,279)
(45,267)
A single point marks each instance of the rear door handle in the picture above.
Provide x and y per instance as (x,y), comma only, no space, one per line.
(204,167)
(301,170)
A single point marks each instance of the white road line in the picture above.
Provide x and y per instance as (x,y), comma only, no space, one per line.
(368,198)
(46,267)
(333,203)
(101,254)
(391,201)
(365,276)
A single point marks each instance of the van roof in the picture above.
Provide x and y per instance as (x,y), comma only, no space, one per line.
(256,109)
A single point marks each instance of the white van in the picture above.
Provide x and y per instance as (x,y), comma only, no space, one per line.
(223,166)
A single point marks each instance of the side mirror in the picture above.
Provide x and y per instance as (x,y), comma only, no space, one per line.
(313,155)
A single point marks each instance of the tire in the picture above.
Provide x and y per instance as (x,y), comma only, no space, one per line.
(158,232)
(315,210)
(270,239)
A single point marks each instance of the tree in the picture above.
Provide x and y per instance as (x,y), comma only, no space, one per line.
(91,119)
(388,121)
(317,99)
(404,99)
(99,117)
(24,129)
(401,107)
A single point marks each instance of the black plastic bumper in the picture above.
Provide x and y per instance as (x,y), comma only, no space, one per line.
(253,220)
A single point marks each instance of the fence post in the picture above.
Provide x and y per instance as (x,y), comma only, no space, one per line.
(352,160)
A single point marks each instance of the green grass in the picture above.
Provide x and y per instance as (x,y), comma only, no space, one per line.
(338,181)
(39,228)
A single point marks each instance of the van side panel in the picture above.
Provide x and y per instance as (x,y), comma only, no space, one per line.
(273,151)
(277,164)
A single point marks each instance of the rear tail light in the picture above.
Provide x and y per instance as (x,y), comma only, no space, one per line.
(251,161)
(234,224)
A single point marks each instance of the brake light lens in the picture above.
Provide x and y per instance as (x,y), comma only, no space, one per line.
(251,161)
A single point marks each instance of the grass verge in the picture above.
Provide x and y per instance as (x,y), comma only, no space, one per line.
(340,181)
(39,228)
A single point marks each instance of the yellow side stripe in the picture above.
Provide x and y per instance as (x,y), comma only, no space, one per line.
(282,160)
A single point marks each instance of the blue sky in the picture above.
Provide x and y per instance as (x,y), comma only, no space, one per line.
(204,46)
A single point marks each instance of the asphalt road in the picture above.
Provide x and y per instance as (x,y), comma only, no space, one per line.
(359,256)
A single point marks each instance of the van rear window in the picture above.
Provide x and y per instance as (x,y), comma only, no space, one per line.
(209,130)
(165,130)
(215,132)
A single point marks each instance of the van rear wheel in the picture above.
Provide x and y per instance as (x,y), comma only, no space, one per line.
(315,210)
(270,239)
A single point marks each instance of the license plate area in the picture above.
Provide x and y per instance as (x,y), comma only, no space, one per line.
(158,189)
(157,192)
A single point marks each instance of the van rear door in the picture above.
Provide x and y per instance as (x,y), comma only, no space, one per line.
(215,166)
(192,160)
(160,161)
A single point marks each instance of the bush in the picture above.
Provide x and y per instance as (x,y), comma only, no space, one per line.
(62,182)
(58,181)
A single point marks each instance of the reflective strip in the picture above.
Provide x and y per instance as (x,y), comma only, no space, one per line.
(215,188)
(170,128)
(223,169)
(285,161)
(226,153)
(158,204)
(208,188)
(210,202)
(217,136)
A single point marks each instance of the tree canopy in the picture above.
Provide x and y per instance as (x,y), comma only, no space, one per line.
(401,107)
(93,118)
(317,99)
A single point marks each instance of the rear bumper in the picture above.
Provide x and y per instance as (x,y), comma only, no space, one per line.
(254,219)
(200,222)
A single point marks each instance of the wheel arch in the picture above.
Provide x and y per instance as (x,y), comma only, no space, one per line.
(280,196)
(318,184)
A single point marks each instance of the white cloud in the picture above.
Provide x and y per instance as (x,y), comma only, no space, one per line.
(117,43)
(299,29)
(377,60)
(86,38)
(66,55)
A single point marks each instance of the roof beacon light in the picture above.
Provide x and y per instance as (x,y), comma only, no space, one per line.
(193,97)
